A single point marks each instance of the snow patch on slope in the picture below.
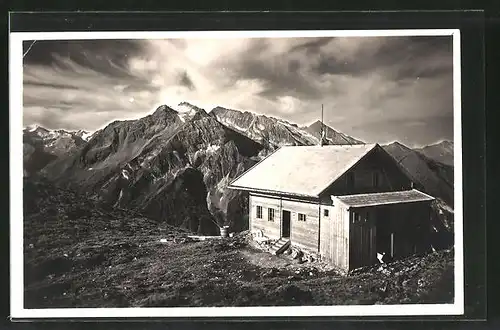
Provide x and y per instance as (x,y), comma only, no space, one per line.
(125,174)
(213,148)
(233,125)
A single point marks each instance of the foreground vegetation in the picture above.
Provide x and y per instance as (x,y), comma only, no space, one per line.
(80,255)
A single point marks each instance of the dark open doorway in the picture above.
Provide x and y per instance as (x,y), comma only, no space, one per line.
(285,224)
(385,234)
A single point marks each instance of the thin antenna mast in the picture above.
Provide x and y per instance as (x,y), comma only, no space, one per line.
(321,132)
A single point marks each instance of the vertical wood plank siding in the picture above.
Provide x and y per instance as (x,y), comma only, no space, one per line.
(271,229)
(334,245)
(303,233)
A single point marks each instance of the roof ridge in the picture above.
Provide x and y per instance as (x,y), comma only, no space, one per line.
(323,165)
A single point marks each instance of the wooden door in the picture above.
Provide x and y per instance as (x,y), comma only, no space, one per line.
(285,225)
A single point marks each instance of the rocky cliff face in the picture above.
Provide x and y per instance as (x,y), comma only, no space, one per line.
(172,166)
(272,132)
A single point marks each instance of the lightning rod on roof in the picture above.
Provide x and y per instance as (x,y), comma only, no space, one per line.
(321,139)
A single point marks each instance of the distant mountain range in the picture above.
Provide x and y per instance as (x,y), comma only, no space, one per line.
(441,152)
(171,165)
(174,165)
(430,175)
(41,145)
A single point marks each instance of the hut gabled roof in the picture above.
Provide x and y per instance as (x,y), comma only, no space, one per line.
(302,170)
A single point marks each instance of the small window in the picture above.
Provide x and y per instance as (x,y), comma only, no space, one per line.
(375,179)
(271,215)
(326,212)
(259,212)
(350,179)
(356,217)
(302,217)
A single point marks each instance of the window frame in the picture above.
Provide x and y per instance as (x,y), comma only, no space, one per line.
(259,207)
(301,215)
(326,213)
(271,214)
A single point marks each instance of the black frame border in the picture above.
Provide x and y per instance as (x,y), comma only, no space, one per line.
(471,25)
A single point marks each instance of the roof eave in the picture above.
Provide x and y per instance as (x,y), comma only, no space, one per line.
(357,206)
(275,192)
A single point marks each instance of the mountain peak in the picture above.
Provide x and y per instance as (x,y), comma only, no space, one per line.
(441,151)
(398,145)
(316,123)
(36,128)
(186,106)
(163,110)
(445,143)
(188,111)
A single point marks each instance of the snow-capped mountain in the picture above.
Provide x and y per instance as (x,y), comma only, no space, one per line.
(57,142)
(170,165)
(85,135)
(41,146)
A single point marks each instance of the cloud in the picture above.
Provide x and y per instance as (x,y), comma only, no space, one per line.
(370,86)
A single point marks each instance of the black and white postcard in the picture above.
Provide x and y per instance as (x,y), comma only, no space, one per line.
(237,173)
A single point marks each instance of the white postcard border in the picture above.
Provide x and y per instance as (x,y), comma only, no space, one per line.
(16,187)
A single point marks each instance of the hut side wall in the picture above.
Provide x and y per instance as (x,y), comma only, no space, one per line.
(334,231)
(303,233)
(270,229)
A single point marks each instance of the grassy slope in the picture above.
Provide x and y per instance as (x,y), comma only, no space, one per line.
(77,255)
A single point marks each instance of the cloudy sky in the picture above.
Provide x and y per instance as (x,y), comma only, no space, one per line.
(377,89)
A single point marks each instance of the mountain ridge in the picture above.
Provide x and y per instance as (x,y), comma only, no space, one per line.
(160,163)
(441,151)
(174,164)
(274,132)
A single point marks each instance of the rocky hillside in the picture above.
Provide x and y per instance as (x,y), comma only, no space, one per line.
(272,132)
(41,146)
(171,166)
(80,254)
(441,152)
